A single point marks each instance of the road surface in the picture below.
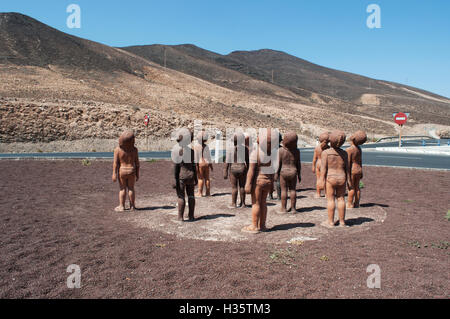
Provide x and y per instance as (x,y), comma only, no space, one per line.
(374,158)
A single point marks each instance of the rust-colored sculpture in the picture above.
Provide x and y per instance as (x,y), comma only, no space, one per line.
(277,178)
(126,169)
(289,170)
(316,162)
(236,168)
(185,175)
(355,165)
(260,181)
(203,163)
(335,173)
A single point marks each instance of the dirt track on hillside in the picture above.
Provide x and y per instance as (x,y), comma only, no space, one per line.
(57,213)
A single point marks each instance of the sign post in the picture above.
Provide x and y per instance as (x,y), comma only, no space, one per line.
(400,118)
(146,120)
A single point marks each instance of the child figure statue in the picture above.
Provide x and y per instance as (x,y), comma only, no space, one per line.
(236,166)
(203,164)
(185,173)
(316,162)
(260,178)
(126,169)
(355,164)
(335,173)
(277,178)
(289,170)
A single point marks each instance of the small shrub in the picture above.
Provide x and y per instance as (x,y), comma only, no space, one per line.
(86,162)
(324,258)
(448,215)
(282,256)
(361,184)
(40,151)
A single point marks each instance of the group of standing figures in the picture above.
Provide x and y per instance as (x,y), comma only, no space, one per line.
(255,170)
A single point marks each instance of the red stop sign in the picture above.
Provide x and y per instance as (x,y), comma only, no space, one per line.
(400,118)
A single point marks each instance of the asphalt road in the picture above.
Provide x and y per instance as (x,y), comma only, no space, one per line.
(375,158)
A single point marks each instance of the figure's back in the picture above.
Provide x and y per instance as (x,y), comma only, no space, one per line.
(355,154)
(187,168)
(127,158)
(336,159)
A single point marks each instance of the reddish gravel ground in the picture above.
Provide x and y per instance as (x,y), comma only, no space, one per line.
(57,213)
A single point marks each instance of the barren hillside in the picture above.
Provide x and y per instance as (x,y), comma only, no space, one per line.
(57,87)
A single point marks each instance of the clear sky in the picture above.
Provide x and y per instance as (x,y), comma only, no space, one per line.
(411,47)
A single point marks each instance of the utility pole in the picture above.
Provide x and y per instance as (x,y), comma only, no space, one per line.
(165,58)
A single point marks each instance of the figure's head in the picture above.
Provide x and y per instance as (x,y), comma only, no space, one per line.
(126,140)
(202,137)
(239,139)
(247,139)
(324,138)
(185,136)
(265,138)
(290,140)
(337,138)
(358,138)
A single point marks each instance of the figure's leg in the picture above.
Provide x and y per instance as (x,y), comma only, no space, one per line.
(357,190)
(283,186)
(263,206)
(330,204)
(351,193)
(122,194)
(200,182)
(340,195)
(131,180)
(253,195)
(181,201)
(278,186)
(234,190)
(207,181)
(191,200)
(241,180)
(318,189)
(256,211)
(293,194)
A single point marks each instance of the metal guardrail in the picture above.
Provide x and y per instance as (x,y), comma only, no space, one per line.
(404,137)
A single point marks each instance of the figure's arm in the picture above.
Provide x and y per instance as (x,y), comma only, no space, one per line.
(226,168)
(136,164)
(314,161)
(360,156)
(349,161)
(323,169)
(116,165)
(208,156)
(195,170)
(348,171)
(195,178)
(277,174)
(176,172)
(299,166)
(250,177)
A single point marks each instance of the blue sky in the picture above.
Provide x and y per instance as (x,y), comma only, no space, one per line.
(411,47)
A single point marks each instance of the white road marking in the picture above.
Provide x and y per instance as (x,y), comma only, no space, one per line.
(407,157)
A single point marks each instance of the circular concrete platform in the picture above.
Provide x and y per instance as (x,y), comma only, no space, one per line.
(216,222)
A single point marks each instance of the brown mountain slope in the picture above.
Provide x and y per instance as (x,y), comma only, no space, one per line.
(331,89)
